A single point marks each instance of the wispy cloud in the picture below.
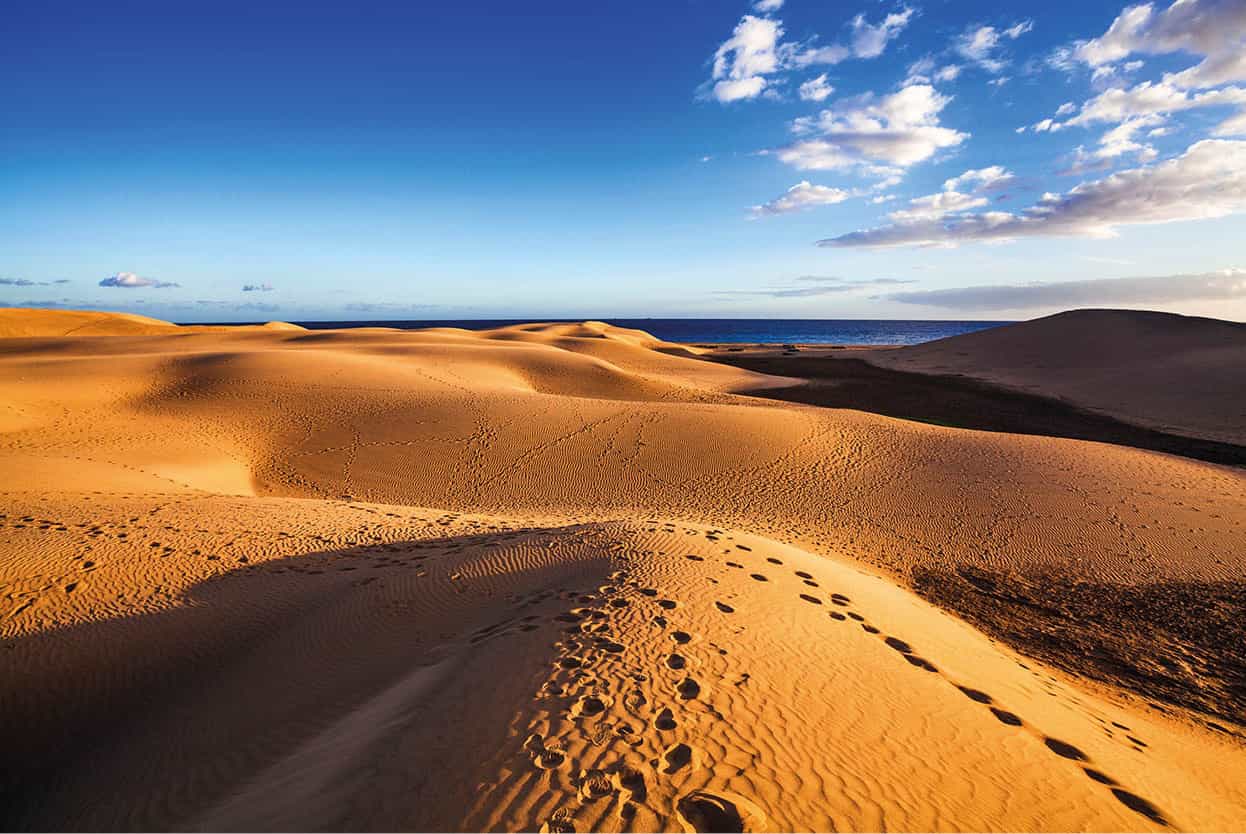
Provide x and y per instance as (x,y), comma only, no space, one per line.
(803,195)
(1208,180)
(982,45)
(26,282)
(812,286)
(257,287)
(1228,284)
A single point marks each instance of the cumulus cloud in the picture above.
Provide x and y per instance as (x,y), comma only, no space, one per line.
(747,64)
(981,44)
(1212,29)
(743,60)
(257,287)
(803,195)
(991,178)
(816,89)
(1208,180)
(1149,99)
(1228,284)
(128,280)
(934,206)
(879,134)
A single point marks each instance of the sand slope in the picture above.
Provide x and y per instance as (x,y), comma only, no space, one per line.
(561,576)
(1180,374)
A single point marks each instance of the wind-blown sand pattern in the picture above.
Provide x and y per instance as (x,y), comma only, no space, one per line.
(563,577)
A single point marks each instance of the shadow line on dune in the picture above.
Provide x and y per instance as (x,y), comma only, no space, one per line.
(151,721)
(960,402)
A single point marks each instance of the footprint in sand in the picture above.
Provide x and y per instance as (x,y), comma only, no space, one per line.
(1063,748)
(724,607)
(760,577)
(1139,805)
(681,637)
(976,695)
(676,661)
(811,598)
(668,604)
(920,662)
(677,757)
(774,561)
(589,705)
(1009,718)
(665,720)
(688,689)
(703,811)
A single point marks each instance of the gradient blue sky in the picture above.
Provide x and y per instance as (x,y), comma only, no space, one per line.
(405,160)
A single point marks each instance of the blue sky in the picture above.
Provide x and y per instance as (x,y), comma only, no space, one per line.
(794,159)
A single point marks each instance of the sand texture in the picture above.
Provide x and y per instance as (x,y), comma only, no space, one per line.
(567,577)
(1179,374)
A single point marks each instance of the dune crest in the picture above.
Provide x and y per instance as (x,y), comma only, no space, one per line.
(1174,373)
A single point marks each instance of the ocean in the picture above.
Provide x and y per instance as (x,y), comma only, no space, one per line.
(769,331)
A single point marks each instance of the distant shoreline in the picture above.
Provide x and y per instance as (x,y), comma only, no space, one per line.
(711,331)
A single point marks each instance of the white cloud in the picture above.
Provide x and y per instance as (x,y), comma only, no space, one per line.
(1225,285)
(745,64)
(980,44)
(1065,109)
(1151,100)
(886,132)
(870,40)
(128,280)
(1208,180)
(935,206)
(816,89)
(729,90)
(1212,29)
(925,71)
(743,60)
(803,195)
(992,178)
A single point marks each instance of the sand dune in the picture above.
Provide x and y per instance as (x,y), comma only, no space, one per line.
(1179,374)
(562,576)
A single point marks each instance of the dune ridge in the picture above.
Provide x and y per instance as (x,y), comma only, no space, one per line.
(1160,370)
(564,577)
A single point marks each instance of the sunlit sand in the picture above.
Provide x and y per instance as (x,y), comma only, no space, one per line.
(570,577)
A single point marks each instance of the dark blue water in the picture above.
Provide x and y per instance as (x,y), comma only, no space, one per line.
(768,331)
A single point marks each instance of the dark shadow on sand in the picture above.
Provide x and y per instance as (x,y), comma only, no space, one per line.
(961,402)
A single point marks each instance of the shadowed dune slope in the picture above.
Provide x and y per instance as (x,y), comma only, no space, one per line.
(222,663)
(562,576)
(1179,374)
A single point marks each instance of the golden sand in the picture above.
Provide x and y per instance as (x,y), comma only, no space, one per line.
(561,577)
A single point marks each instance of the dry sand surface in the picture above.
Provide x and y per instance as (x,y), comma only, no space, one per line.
(565,577)
(1174,373)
